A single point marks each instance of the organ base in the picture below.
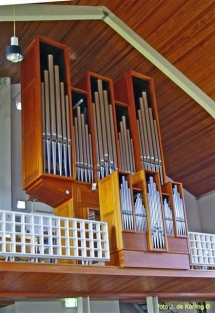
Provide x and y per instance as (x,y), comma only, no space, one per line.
(143,259)
(51,189)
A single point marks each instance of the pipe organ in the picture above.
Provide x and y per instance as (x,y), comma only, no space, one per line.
(104,133)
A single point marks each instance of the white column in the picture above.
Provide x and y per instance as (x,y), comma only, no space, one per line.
(152,304)
(83,305)
(16,151)
(5,144)
(16,160)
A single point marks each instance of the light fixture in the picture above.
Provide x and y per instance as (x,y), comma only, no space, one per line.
(18,105)
(14,51)
(71,303)
(21,205)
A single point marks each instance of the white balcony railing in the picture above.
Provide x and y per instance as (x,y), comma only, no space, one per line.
(202,249)
(27,236)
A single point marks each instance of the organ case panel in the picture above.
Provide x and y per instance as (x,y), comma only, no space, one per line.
(73,137)
(46,121)
(101,112)
(132,205)
(176,202)
(83,204)
(138,91)
(109,199)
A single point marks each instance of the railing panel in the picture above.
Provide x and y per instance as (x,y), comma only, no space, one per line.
(202,249)
(24,235)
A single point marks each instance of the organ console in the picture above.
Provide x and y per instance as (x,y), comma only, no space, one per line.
(105,133)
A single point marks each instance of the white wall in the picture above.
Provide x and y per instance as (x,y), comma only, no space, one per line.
(127,308)
(5,143)
(96,306)
(16,134)
(192,211)
(42,307)
(8,309)
(104,306)
(206,206)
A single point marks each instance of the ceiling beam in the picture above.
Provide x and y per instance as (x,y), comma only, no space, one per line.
(14,2)
(32,12)
(160,62)
(73,12)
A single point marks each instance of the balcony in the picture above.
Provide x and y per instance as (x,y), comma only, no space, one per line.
(47,238)
(66,257)
(202,250)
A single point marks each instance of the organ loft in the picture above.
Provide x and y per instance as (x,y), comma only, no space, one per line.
(94,151)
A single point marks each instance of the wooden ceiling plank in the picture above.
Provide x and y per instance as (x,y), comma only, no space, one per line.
(185,21)
(185,41)
(135,14)
(198,56)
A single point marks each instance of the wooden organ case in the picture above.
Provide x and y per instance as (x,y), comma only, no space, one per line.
(103,133)
(42,140)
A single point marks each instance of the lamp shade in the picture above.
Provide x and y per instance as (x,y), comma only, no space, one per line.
(14,51)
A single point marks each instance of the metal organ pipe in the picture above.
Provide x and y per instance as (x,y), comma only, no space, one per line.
(179,211)
(56,123)
(126,205)
(104,132)
(148,137)
(168,217)
(84,171)
(155,213)
(126,147)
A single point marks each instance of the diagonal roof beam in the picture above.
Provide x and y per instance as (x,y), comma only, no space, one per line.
(42,12)
(160,62)
(73,12)
(17,2)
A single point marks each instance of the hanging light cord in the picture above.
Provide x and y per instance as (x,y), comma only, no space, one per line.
(14,27)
